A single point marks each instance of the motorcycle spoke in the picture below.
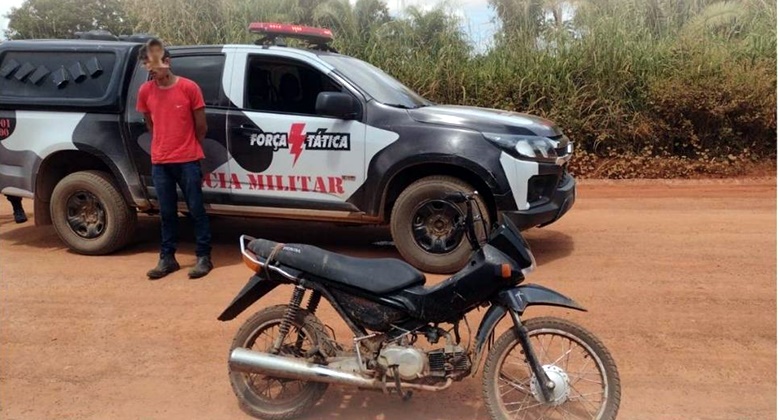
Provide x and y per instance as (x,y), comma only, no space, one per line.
(565,412)
(588,361)
(544,355)
(581,373)
(562,356)
(568,356)
(525,408)
(571,356)
(521,362)
(583,400)
(563,352)
(587,394)
(544,413)
(582,378)
(513,384)
(271,388)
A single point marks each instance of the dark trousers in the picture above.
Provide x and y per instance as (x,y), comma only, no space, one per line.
(16,202)
(189,177)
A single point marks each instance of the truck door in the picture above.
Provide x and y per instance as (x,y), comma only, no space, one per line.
(283,154)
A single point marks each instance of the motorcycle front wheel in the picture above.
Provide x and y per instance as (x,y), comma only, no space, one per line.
(587,384)
(272,398)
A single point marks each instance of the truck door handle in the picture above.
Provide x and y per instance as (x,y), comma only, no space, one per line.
(249,128)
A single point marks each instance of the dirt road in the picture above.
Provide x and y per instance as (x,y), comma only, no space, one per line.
(679,278)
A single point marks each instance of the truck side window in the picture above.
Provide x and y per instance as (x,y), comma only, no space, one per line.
(50,77)
(285,86)
(206,71)
(140,75)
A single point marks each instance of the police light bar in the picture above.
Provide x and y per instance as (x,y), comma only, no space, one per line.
(292,31)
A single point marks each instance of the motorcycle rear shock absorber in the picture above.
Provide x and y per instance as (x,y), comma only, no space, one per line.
(289,317)
(311,306)
(314,301)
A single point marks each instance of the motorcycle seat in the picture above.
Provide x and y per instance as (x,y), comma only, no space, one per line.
(375,275)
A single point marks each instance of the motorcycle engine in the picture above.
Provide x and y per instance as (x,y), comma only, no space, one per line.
(411,361)
(451,360)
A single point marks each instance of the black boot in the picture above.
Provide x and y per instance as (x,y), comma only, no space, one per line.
(165,266)
(16,203)
(202,267)
(19,216)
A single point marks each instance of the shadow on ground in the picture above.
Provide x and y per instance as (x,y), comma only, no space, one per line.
(366,241)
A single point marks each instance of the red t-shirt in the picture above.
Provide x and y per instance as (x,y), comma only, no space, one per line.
(173,131)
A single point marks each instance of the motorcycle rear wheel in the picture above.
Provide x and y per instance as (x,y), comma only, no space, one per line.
(268,397)
(586,377)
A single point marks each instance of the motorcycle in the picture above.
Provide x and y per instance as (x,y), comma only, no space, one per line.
(283,358)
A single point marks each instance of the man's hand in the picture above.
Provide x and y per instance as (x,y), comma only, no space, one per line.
(200,123)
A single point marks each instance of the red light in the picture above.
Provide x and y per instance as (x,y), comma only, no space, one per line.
(286,29)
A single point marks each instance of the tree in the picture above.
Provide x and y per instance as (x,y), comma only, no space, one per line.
(371,13)
(520,19)
(525,21)
(63,18)
(353,25)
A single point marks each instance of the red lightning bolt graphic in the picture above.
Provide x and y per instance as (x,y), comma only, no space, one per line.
(296,140)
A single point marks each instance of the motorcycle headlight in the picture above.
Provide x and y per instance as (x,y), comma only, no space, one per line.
(526,147)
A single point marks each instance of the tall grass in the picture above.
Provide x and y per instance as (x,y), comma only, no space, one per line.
(690,78)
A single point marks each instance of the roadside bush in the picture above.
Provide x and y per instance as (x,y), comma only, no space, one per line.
(645,88)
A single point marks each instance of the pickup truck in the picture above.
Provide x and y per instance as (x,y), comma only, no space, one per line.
(299,133)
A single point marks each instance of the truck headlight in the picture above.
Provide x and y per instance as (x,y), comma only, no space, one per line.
(526,147)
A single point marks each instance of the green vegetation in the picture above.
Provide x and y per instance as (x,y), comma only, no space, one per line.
(690,83)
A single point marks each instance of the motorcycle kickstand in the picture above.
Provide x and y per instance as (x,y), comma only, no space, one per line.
(405,396)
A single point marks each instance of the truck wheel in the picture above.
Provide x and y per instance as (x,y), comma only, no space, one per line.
(423,225)
(90,214)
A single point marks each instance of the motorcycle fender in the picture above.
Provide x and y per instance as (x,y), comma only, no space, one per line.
(519,298)
(492,317)
(255,288)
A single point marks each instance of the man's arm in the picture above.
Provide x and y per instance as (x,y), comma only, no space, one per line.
(148,121)
(143,108)
(200,123)
(198,106)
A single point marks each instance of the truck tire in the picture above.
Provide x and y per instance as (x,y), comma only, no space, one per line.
(422,225)
(90,214)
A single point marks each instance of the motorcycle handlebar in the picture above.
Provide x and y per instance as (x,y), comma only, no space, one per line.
(458,197)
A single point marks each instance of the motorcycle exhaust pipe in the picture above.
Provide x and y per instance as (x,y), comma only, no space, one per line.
(248,361)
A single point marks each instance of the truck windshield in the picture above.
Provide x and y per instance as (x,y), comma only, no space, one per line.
(378,84)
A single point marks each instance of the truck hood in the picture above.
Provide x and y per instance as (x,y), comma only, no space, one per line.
(486,120)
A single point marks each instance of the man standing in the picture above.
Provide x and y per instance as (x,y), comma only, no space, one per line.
(175,115)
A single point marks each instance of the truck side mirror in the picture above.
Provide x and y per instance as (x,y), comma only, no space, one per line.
(337,105)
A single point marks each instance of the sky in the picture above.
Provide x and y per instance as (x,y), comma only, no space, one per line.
(5,7)
(475,15)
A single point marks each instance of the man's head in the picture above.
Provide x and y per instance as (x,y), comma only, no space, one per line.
(155,58)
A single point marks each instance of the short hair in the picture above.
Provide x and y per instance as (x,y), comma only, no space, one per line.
(154,42)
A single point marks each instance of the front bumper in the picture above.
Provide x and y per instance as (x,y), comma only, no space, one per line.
(553,209)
